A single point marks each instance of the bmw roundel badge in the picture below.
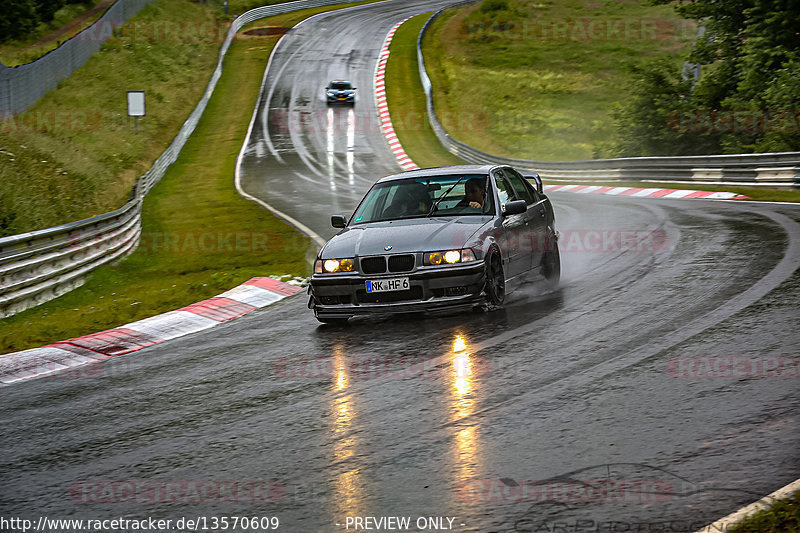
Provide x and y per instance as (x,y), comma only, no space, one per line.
(387,247)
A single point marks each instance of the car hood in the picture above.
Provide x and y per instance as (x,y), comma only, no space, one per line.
(404,236)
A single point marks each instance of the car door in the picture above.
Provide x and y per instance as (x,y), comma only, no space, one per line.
(532,240)
(512,230)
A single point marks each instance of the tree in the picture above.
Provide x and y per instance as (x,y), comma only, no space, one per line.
(46,9)
(17,18)
(750,55)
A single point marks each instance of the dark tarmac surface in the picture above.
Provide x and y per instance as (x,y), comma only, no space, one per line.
(584,409)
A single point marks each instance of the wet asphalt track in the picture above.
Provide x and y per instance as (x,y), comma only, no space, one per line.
(561,390)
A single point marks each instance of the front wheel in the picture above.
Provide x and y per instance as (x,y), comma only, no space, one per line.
(495,287)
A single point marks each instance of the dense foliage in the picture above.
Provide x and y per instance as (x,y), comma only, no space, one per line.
(748,95)
(20,17)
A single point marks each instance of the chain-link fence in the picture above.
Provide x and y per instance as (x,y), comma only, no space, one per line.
(41,265)
(22,86)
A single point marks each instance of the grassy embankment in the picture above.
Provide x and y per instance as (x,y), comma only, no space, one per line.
(178,263)
(782,517)
(536,95)
(547,74)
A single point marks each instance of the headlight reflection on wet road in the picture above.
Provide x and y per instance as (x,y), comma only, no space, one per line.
(463,392)
(348,487)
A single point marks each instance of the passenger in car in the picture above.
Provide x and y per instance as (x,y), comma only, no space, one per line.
(474,193)
(412,200)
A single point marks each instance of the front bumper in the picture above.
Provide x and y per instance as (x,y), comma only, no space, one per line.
(341,100)
(431,288)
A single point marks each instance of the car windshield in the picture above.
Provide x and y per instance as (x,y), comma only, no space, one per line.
(341,85)
(453,195)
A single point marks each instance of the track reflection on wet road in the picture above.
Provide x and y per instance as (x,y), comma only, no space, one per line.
(602,406)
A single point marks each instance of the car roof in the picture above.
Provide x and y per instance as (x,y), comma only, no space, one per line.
(440,171)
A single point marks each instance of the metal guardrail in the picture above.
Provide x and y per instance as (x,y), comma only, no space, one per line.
(41,265)
(750,169)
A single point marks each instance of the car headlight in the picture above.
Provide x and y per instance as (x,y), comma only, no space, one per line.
(331,93)
(329,266)
(449,257)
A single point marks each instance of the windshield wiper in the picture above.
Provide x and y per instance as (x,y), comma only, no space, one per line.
(442,197)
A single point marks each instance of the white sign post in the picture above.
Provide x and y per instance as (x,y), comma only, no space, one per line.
(136,106)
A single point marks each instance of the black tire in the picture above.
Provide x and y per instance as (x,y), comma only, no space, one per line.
(551,264)
(495,286)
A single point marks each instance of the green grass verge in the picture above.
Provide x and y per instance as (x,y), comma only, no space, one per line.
(199,236)
(407,99)
(782,517)
(545,76)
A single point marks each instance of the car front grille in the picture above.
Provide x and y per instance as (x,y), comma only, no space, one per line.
(373,265)
(401,263)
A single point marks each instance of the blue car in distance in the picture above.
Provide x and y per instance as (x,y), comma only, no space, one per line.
(340,92)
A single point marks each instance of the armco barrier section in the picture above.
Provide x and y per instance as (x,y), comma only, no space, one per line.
(744,169)
(41,265)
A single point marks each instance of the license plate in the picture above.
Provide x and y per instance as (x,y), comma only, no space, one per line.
(387,285)
(342,99)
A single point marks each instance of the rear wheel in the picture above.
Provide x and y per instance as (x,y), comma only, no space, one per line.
(495,287)
(551,263)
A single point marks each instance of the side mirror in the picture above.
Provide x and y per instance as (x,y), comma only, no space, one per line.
(517,207)
(338,221)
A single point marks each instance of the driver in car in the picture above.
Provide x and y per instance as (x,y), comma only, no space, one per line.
(474,193)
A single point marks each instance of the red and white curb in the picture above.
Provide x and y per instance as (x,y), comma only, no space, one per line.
(383,108)
(57,357)
(638,192)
